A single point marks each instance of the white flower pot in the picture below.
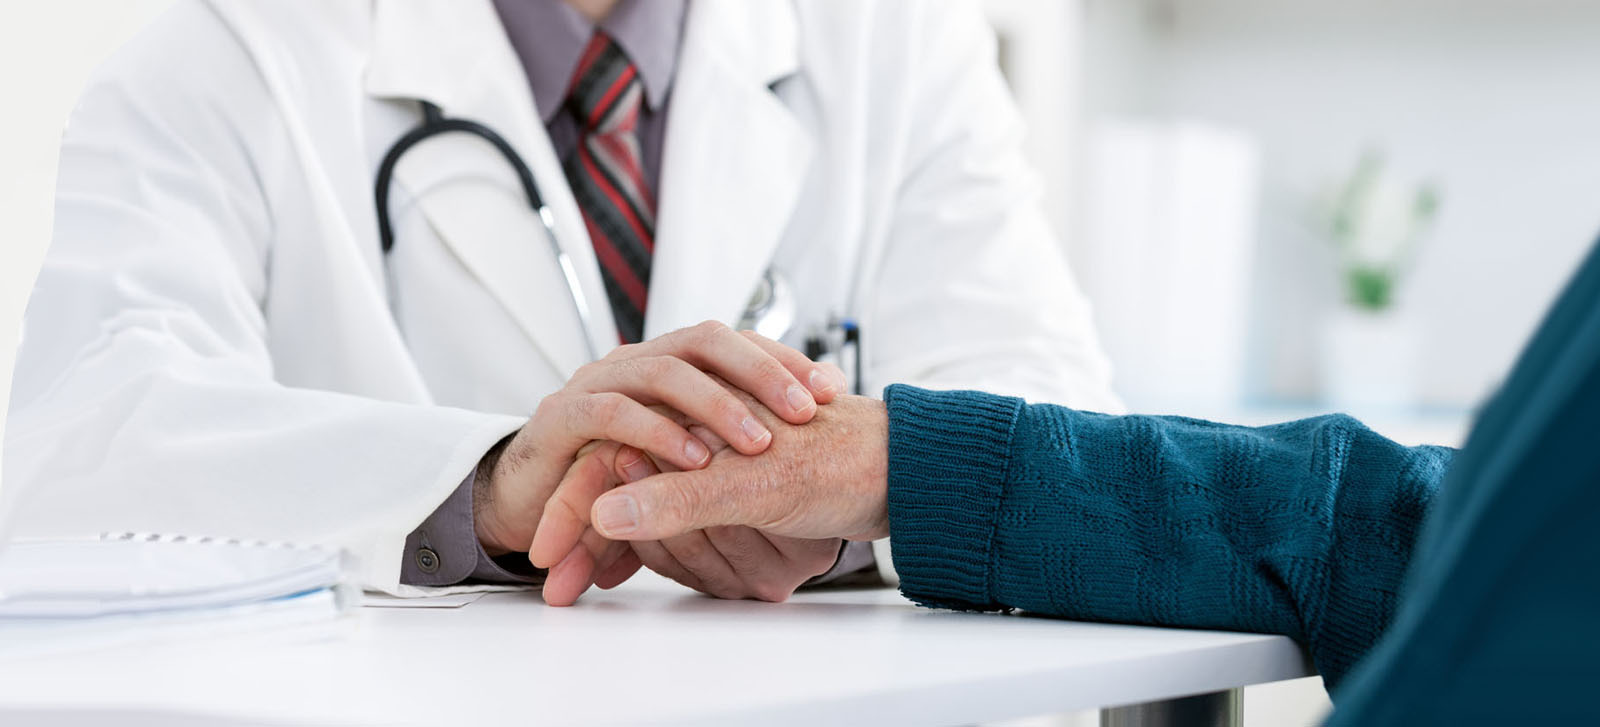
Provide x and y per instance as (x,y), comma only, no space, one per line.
(1369,362)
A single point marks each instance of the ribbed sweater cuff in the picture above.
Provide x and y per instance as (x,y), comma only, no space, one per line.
(948,456)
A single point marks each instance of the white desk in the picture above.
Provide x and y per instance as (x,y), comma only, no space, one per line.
(652,652)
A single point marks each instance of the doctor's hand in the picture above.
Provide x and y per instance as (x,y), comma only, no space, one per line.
(825,480)
(726,562)
(612,399)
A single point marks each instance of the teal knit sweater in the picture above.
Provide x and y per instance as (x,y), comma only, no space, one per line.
(1463,598)
(1303,529)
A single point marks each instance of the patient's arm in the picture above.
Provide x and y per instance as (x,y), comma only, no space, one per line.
(1303,529)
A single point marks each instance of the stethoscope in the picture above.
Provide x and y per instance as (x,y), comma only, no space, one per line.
(435,123)
(770,312)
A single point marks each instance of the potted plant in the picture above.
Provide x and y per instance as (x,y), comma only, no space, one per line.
(1375,222)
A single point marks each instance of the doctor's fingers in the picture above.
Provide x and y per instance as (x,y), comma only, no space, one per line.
(697,395)
(568,579)
(825,380)
(564,523)
(567,420)
(716,348)
(565,582)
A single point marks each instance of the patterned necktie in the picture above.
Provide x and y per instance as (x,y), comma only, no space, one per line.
(607,177)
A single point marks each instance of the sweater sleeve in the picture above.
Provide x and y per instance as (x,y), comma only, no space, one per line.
(1303,529)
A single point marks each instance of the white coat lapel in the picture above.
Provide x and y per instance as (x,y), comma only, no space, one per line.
(733,163)
(456,55)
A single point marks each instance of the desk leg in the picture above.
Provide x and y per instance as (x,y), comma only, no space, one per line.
(1217,709)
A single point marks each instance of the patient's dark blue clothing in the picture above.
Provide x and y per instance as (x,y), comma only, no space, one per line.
(1429,587)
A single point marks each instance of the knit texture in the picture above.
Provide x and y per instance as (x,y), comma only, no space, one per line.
(1500,620)
(1303,529)
(943,530)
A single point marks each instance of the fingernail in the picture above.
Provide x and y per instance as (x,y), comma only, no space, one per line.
(799,398)
(617,515)
(696,451)
(637,469)
(754,430)
(821,382)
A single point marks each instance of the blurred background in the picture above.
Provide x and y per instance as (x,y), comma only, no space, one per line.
(1284,206)
(1279,207)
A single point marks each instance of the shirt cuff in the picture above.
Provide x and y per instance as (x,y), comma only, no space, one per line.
(444,550)
(883,553)
(854,558)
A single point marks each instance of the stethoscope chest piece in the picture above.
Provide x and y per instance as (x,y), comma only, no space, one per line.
(771,310)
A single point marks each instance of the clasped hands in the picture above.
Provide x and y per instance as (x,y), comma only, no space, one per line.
(700,455)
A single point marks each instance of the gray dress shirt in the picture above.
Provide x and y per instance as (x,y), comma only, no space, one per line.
(549,37)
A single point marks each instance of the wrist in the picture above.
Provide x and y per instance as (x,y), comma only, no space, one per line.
(484,522)
(874,472)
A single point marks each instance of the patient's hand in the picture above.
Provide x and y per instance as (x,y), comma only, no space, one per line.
(821,480)
(725,561)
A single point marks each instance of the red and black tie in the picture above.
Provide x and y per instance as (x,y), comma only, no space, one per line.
(607,177)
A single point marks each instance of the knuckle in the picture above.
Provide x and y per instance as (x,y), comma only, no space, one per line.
(729,405)
(769,368)
(708,331)
(576,414)
(657,368)
(580,407)
(711,327)
(591,370)
(628,368)
(604,409)
(550,403)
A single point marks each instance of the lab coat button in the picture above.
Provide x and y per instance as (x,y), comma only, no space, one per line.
(427,560)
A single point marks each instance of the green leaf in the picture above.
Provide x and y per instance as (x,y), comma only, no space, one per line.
(1370,288)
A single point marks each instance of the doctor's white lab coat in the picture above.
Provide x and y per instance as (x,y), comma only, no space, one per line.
(216,344)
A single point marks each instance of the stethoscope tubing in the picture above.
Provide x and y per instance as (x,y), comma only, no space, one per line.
(434,123)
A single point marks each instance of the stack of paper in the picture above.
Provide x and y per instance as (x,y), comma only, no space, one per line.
(89,593)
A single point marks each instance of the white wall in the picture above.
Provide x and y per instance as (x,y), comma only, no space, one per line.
(1500,99)
(47,49)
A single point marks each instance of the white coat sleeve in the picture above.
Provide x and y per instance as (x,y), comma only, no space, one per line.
(144,395)
(974,291)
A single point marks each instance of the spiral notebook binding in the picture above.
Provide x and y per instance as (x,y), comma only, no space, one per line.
(205,540)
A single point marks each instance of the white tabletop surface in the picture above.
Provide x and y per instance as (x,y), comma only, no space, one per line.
(650,652)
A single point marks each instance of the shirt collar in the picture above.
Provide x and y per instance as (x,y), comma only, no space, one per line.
(549,37)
